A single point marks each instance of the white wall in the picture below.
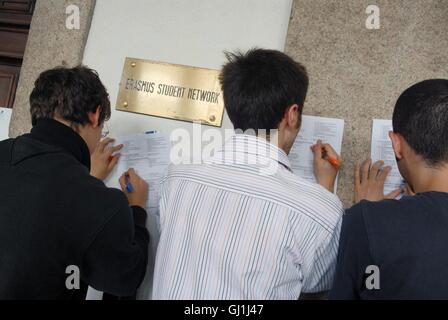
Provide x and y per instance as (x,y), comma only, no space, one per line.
(189,32)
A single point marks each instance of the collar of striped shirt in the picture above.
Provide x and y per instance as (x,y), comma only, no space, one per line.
(249,150)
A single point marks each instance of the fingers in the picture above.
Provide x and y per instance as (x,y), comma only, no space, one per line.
(408,190)
(122,181)
(375,169)
(330,151)
(137,181)
(317,149)
(320,148)
(103,144)
(114,149)
(394,194)
(129,176)
(365,168)
(384,173)
(133,176)
(113,162)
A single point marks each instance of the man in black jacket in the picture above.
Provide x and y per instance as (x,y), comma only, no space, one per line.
(61,228)
(396,249)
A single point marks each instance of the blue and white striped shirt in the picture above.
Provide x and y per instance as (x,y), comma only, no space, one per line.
(231,232)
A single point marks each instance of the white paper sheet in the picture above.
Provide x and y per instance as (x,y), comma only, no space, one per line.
(93,294)
(382,150)
(5,118)
(149,156)
(329,130)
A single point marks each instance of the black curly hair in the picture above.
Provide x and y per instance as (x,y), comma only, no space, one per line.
(69,93)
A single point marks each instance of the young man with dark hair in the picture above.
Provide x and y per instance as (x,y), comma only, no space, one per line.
(59,221)
(242,225)
(396,249)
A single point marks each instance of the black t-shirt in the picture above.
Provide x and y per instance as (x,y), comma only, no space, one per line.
(406,239)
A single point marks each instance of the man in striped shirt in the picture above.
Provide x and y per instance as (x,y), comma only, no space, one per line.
(242,225)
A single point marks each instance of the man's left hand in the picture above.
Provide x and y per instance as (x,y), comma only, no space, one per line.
(103,159)
(369,182)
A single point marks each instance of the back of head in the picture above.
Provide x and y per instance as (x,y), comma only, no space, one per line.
(69,94)
(421,117)
(259,86)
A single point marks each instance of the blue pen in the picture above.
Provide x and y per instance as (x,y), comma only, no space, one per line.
(129,187)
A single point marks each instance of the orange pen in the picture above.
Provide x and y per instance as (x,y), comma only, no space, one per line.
(334,162)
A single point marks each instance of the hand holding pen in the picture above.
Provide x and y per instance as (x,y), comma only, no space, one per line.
(326,164)
(135,188)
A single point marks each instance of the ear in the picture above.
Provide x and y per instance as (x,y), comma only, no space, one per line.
(94,117)
(292,116)
(397,144)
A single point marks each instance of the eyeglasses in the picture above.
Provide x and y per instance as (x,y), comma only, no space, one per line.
(105,132)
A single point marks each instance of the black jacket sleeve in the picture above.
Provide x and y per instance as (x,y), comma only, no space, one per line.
(353,256)
(116,261)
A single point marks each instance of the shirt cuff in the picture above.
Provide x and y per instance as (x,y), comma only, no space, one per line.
(139,215)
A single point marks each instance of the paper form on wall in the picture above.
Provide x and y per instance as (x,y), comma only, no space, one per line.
(149,155)
(5,117)
(329,130)
(382,150)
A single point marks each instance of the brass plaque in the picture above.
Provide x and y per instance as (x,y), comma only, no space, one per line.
(171,91)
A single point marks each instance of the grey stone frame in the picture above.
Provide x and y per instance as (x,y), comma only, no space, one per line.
(50,44)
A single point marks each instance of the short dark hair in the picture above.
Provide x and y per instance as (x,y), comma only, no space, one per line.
(259,86)
(69,93)
(421,117)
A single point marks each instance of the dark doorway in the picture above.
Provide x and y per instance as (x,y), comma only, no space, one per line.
(15,21)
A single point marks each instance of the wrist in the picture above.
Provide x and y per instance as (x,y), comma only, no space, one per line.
(327,184)
(329,188)
(95,174)
(98,175)
(137,204)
